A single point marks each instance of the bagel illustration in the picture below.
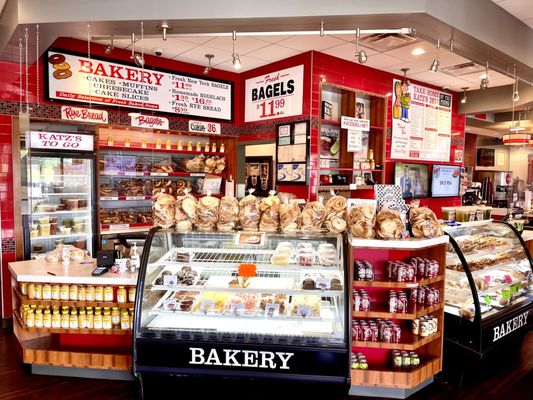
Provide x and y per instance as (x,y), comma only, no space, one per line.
(61,67)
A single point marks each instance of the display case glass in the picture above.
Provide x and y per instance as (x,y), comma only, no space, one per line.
(486,263)
(244,287)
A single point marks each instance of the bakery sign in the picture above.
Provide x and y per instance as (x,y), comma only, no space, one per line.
(148,121)
(84,115)
(240,358)
(59,141)
(88,80)
(274,95)
(204,127)
(511,325)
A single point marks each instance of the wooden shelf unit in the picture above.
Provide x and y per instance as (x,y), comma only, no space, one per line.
(378,253)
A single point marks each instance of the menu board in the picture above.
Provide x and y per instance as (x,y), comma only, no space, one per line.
(88,80)
(446,180)
(421,123)
(291,153)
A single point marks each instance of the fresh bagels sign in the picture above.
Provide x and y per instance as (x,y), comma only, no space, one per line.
(59,141)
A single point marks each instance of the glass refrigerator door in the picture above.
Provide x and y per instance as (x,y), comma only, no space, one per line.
(223,286)
(59,203)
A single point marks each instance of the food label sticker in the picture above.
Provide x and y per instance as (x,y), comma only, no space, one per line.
(237,308)
(159,173)
(506,294)
(131,173)
(487,278)
(135,198)
(110,173)
(170,305)
(271,310)
(108,198)
(508,278)
(353,186)
(514,289)
(118,226)
(207,305)
(323,283)
(304,311)
(488,300)
(197,174)
(169,280)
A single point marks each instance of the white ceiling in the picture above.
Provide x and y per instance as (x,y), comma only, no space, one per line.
(521,9)
(261,50)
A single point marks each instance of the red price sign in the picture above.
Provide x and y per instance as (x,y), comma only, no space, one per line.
(271,108)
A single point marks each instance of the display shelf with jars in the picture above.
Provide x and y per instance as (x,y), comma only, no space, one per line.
(66,317)
(342,169)
(397,313)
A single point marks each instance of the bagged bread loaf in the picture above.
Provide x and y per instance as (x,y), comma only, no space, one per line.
(335,214)
(313,216)
(290,216)
(228,214)
(361,221)
(424,223)
(185,212)
(249,212)
(270,213)
(163,205)
(389,224)
(207,213)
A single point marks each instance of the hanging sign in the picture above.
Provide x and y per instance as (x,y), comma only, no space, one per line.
(421,123)
(74,78)
(204,127)
(84,115)
(274,95)
(355,124)
(149,121)
(57,140)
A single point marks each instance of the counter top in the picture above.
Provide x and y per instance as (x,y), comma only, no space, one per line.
(527,235)
(75,272)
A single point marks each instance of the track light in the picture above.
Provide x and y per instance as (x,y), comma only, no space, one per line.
(109,48)
(485,81)
(463,100)
(136,57)
(236,60)
(361,55)
(405,80)
(516,96)
(164,27)
(207,69)
(435,64)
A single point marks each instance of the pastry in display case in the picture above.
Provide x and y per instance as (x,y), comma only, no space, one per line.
(207,293)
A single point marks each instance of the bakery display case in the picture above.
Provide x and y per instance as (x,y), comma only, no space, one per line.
(265,306)
(488,299)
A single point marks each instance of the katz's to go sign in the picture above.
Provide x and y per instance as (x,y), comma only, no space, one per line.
(62,141)
(275,95)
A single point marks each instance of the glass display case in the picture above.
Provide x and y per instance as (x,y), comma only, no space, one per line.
(488,297)
(217,304)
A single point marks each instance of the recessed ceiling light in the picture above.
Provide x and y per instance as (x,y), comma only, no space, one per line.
(418,51)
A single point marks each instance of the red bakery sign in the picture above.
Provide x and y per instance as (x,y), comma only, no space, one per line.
(57,140)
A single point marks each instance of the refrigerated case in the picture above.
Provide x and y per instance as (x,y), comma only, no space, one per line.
(246,306)
(488,298)
(60,205)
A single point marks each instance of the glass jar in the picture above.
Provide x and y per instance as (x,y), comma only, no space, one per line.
(121,294)
(73,319)
(110,140)
(108,293)
(24,288)
(189,145)
(73,292)
(56,318)
(97,318)
(90,318)
(207,148)
(30,318)
(55,292)
(158,144)
(115,316)
(143,143)
(47,318)
(64,318)
(47,291)
(99,293)
(127,141)
(38,321)
(370,154)
(125,320)
(448,213)
(168,145)
(198,146)
(213,147)
(131,294)
(38,291)
(82,293)
(64,292)
(222,147)
(107,322)
(180,145)
(89,293)
(82,319)
(31,291)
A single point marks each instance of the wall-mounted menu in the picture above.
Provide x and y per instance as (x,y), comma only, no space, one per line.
(291,153)
(421,123)
(89,80)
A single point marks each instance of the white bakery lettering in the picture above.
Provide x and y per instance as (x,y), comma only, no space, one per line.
(510,326)
(120,72)
(240,358)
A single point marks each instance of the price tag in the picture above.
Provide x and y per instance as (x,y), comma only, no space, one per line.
(271,310)
(159,173)
(323,283)
(237,309)
(130,173)
(135,197)
(169,280)
(110,173)
(304,311)
(207,305)
(353,186)
(197,174)
(487,278)
(506,294)
(170,305)
(514,289)
(488,300)
(118,227)
(508,278)
(108,198)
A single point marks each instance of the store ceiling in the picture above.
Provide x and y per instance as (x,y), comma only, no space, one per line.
(521,9)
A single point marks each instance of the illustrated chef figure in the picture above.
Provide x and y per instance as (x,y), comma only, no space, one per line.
(405,183)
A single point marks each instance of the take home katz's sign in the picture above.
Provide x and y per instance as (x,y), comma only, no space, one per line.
(86,80)
(274,95)
(59,141)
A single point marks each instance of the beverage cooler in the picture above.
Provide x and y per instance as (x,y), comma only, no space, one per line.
(249,312)
(60,180)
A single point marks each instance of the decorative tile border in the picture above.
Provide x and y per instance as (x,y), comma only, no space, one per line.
(8,245)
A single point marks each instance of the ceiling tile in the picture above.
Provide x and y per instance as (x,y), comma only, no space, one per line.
(529,22)
(171,47)
(521,9)
(198,55)
(346,51)
(195,39)
(311,42)
(247,62)
(404,53)
(381,61)
(273,52)
(243,45)
(272,38)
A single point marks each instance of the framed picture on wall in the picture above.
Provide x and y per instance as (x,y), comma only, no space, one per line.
(259,174)
(292,153)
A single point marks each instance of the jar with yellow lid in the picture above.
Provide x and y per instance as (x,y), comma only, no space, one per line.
(108,293)
(24,288)
(56,318)
(110,140)
(22,311)
(39,318)
(64,292)
(121,294)
(89,293)
(180,145)
(47,291)
(90,318)
(213,147)
(131,294)
(107,322)
(30,318)
(38,291)
(143,143)
(81,293)
(82,319)
(189,145)
(222,147)
(73,319)
(99,293)
(65,317)
(73,292)
(115,316)
(198,146)
(125,320)
(127,141)
(158,144)
(47,318)
(168,144)
(54,292)
(97,318)
(31,291)
(207,147)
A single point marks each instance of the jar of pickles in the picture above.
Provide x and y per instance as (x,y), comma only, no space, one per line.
(125,320)
(115,316)
(448,213)
(38,318)
(30,318)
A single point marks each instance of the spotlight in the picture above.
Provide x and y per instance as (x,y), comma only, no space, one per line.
(516,96)
(109,48)
(139,60)
(435,64)
(463,100)
(207,69)
(361,55)
(485,81)
(235,57)
(164,27)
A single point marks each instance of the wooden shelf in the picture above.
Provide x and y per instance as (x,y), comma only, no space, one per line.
(398,285)
(151,148)
(396,379)
(71,303)
(409,342)
(380,312)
